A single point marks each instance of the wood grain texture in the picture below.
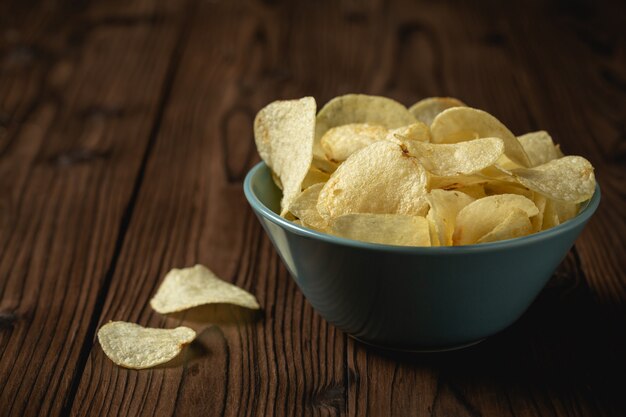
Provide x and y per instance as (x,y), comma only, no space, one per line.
(80,100)
(125,134)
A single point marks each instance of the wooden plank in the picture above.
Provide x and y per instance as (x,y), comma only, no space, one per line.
(80,94)
(526,71)
(288,361)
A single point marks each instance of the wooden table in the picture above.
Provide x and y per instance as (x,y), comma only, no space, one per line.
(125,134)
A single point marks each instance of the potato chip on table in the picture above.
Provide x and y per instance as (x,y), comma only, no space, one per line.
(133,346)
(186,288)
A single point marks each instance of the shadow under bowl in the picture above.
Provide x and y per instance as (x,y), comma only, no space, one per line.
(414,298)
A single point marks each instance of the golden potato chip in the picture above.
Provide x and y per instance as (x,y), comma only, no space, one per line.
(324,165)
(342,141)
(482,216)
(569,179)
(133,346)
(475,191)
(444,207)
(284,132)
(388,229)
(182,289)
(359,108)
(427,109)
(380,179)
(494,187)
(537,221)
(459,124)
(539,147)
(515,224)
(449,160)
(434,234)
(416,131)
(304,207)
(277,181)
(314,176)
(457,181)
(557,212)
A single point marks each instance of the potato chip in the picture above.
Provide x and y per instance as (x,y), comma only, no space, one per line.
(459,124)
(456,182)
(277,181)
(380,178)
(557,212)
(434,234)
(324,165)
(427,109)
(284,134)
(182,289)
(537,221)
(495,187)
(388,229)
(539,147)
(475,191)
(314,176)
(372,164)
(516,224)
(464,158)
(136,347)
(482,216)
(342,141)
(569,179)
(359,108)
(444,207)
(416,131)
(304,207)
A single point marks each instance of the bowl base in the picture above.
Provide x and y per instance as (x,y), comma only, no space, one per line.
(417,349)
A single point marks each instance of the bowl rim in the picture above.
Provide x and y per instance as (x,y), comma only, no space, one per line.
(260,208)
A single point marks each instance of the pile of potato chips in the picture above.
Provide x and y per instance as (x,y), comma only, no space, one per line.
(133,346)
(437,174)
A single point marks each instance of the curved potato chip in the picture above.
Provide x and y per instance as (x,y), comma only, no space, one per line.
(459,124)
(136,347)
(475,191)
(284,134)
(182,289)
(314,176)
(427,109)
(388,229)
(557,212)
(324,165)
(444,207)
(380,178)
(277,180)
(304,207)
(416,131)
(463,158)
(495,187)
(434,235)
(342,141)
(457,181)
(568,179)
(516,224)
(482,216)
(539,147)
(359,108)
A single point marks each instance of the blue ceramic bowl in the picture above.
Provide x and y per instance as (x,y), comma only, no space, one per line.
(413,298)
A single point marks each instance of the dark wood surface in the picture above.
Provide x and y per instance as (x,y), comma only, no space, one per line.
(125,134)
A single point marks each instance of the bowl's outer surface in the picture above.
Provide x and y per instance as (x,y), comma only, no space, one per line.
(413,298)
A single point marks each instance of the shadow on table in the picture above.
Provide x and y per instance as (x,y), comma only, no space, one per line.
(218,314)
(208,321)
(566,342)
